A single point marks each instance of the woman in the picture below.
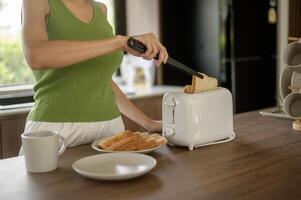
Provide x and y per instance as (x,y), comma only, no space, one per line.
(73,53)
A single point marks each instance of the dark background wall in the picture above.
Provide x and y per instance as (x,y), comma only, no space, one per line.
(230,40)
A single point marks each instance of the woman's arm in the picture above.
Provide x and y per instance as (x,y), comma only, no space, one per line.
(128,108)
(132,112)
(40,53)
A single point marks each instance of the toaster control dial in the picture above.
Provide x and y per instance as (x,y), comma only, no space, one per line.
(169,130)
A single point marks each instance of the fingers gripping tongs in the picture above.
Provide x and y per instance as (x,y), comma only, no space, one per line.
(141,48)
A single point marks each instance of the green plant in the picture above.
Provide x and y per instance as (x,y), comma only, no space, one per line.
(13,69)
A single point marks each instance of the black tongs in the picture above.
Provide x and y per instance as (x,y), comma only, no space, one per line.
(141,48)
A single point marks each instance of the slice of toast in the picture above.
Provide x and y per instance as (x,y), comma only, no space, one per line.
(118,140)
(199,85)
(123,142)
(132,146)
(129,141)
(152,141)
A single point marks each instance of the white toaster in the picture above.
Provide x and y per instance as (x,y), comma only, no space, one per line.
(200,119)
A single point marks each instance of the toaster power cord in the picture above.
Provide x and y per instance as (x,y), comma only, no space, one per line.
(230,138)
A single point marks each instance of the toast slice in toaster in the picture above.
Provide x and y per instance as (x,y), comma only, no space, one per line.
(199,85)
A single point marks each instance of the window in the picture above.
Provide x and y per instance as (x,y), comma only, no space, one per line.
(13,68)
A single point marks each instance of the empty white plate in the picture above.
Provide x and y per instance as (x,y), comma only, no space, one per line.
(114,166)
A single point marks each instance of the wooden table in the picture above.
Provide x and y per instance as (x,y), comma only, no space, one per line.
(263,162)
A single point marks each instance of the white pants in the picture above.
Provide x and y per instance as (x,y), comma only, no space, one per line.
(77,133)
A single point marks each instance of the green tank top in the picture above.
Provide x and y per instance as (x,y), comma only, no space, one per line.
(80,92)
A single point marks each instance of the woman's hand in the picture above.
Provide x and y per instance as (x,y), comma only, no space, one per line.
(154,126)
(133,113)
(153,46)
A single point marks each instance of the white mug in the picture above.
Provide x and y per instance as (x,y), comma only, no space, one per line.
(41,150)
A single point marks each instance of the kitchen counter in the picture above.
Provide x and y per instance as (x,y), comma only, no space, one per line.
(263,162)
(131,94)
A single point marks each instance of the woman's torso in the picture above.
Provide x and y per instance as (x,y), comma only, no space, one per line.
(80,92)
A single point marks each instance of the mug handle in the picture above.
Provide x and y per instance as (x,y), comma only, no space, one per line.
(63,147)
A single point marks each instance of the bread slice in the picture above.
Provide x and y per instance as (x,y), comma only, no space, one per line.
(188,89)
(152,141)
(199,85)
(118,140)
(132,146)
(159,139)
(123,142)
(129,141)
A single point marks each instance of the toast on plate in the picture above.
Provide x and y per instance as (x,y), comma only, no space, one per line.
(132,141)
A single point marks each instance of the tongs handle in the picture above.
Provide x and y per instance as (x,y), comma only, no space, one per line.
(141,48)
(138,46)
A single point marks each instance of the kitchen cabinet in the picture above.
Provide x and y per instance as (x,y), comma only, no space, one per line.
(12,126)
(294,21)
(294,18)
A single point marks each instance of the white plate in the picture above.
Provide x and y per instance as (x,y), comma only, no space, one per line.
(95,147)
(114,166)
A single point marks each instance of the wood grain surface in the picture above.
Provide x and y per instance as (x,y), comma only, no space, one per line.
(263,162)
